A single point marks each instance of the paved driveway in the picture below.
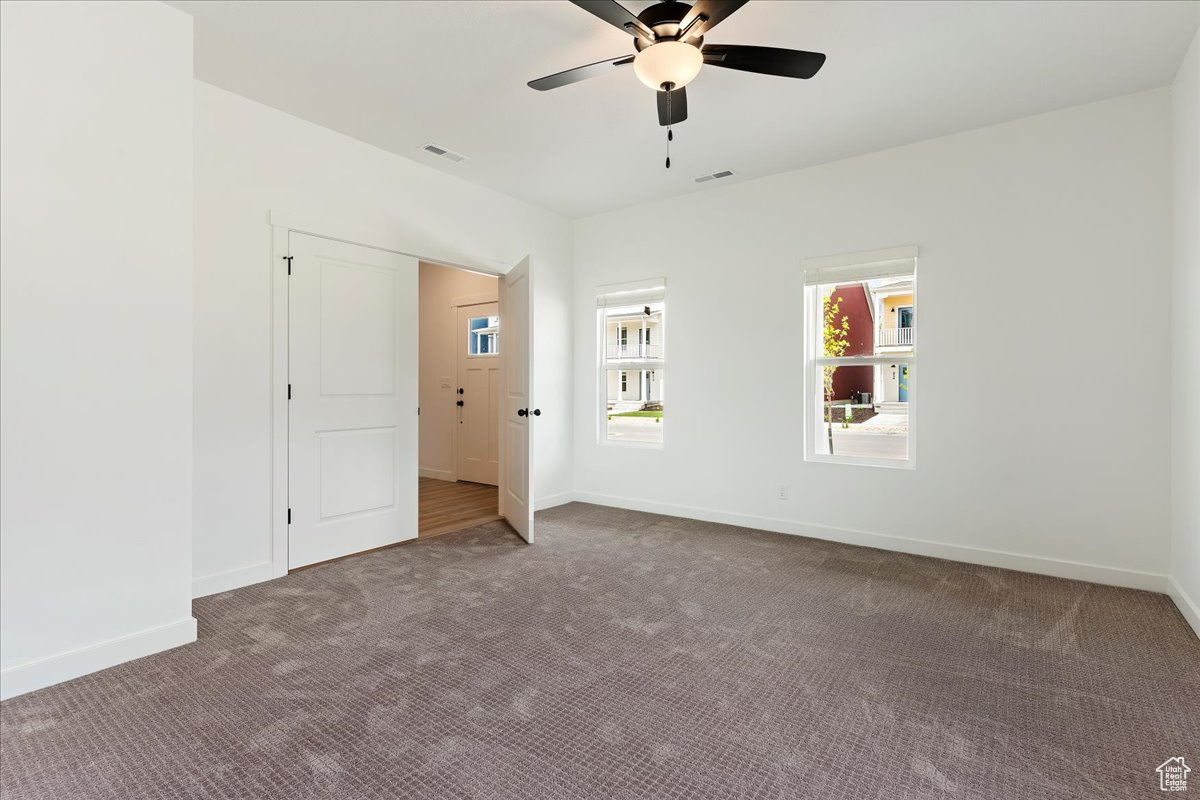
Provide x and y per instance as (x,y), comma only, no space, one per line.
(634,429)
(882,436)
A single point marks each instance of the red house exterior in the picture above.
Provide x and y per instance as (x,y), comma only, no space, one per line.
(856,306)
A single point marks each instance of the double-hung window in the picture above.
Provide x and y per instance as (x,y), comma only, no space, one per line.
(632,366)
(860,336)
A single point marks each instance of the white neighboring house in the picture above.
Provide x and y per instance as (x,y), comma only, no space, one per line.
(892,309)
(633,337)
(485,333)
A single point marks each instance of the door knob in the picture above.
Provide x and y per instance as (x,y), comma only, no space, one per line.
(537,412)
(522,412)
(459,403)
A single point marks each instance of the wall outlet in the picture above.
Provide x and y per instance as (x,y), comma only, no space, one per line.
(781,492)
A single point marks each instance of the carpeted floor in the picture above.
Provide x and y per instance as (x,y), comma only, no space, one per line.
(629,655)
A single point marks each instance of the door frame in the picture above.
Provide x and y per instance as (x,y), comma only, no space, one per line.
(379,238)
(455,304)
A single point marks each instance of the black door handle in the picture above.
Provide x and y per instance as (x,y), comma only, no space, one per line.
(537,412)
(522,412)
(459,403)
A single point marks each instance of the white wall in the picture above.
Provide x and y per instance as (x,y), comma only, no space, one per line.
(1185,341)
(250,159)
(441,286)
(1037,449)
(96,347)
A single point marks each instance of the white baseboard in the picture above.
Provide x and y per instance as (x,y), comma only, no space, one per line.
(439,474)
(232,579)
(45,672)
(1075,570)
(542,503)
(1187,605)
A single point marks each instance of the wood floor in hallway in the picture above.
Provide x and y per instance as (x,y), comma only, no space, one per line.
(446,506)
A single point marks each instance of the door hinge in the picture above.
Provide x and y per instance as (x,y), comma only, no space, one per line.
(289,516)
(289,260)
(289,391)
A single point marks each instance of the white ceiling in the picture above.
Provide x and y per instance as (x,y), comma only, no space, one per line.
(399,74)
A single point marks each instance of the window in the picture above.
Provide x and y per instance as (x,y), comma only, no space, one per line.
(631,367)
(483,336)
(859,362)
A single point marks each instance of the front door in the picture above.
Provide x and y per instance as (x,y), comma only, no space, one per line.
(516,436)
(904,383)
(352,416)
(478,343)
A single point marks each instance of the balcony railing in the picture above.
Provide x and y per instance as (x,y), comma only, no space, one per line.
(631,351)
(894,337)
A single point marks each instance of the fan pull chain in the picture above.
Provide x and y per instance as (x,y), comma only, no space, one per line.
(670,135)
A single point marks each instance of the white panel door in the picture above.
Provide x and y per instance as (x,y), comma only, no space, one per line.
(516,379)
(352,416)
(478,394)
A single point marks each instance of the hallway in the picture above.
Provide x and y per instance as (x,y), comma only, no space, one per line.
(445,506)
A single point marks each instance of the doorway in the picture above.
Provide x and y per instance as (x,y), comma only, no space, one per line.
(347,398)
(461,359)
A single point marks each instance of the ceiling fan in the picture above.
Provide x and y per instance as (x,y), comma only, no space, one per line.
(668,40)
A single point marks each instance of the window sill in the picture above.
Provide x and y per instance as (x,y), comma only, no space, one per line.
(857,461)
(631,445)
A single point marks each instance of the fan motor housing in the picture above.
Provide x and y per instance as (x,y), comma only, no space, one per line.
(663,19)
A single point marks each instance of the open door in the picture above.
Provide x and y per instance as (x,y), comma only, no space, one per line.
(516,408)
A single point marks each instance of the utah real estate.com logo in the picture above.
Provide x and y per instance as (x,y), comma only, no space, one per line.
(1172,775)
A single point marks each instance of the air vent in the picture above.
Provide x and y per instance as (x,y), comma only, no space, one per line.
(725,173)
(443,152)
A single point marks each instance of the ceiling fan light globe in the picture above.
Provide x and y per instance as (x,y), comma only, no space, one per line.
(676,63)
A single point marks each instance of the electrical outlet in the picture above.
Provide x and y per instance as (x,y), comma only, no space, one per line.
(781,492)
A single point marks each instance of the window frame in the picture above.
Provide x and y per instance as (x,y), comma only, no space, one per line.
(816,272)
(494,337)
(638,291)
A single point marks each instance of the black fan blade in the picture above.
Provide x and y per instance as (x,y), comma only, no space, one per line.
(713,12)
(616,15)
(678,107)
(578,74)
(765,60)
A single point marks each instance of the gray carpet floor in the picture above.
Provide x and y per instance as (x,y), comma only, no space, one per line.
(628,655)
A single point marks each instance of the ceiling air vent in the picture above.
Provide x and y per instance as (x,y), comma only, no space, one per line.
(725,173)
(442,152)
